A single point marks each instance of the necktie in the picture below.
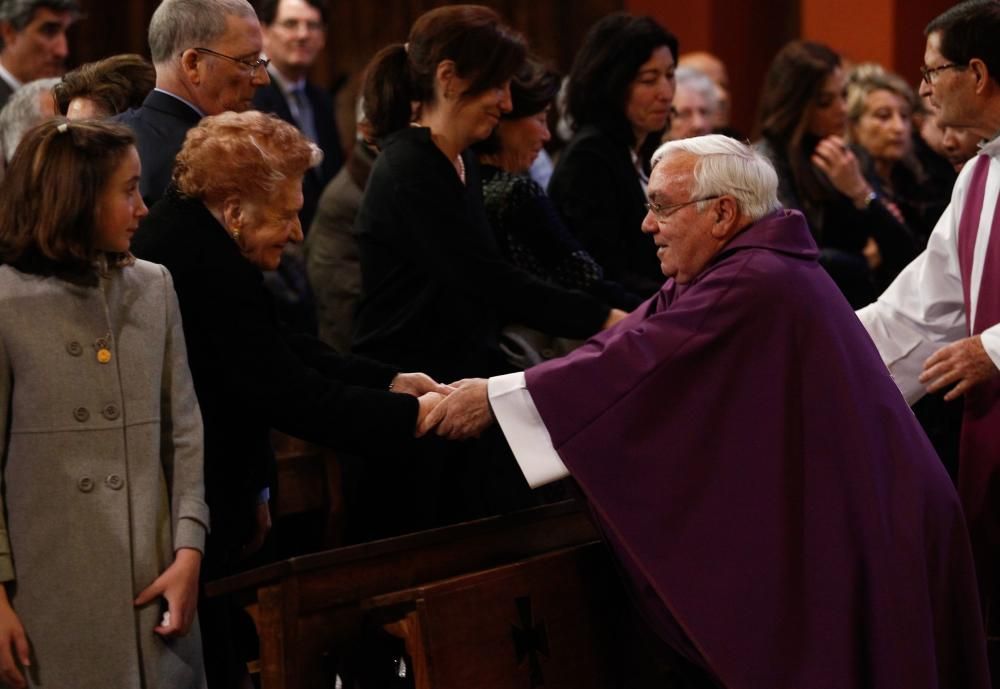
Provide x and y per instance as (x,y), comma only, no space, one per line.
(304,114)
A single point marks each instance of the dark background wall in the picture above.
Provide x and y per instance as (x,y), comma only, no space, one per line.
(745,33)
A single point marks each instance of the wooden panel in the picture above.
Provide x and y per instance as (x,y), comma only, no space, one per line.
(308,608)
(536,623)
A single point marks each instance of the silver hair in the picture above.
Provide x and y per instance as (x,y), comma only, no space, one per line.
(22,112)
(726,166)
(698,81)
(181,24)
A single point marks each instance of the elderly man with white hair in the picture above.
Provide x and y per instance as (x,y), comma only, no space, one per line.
(774,505)
(207,56)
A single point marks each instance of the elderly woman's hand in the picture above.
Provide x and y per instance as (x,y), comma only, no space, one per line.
(417,384)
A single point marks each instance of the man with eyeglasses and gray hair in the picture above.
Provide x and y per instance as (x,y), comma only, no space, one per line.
(33,41)
(780,516)
(207,56)
(937,326)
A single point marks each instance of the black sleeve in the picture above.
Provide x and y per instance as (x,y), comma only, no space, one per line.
(451,236)
(268,375)
(534,223)
(348,368)
(583,190)
(896,242)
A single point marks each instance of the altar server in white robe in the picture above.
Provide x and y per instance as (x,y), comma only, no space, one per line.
(937,326)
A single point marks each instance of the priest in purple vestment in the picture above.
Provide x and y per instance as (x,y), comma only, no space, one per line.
(776,508)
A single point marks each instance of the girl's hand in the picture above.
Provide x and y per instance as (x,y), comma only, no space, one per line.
(179,586)
(13,645)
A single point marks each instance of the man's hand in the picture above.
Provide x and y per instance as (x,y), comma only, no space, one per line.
(465,413)
(13,645)
(262,528)
(964,363)
(179,586)
(417,384)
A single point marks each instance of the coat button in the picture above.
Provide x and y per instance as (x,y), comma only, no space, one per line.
(110,412)
(114,482)
(81,414)
(74,348)
(85,484)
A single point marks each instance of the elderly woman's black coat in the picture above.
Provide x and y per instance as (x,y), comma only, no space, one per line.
(250,377)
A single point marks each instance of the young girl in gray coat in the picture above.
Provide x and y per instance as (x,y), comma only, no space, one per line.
(102,516)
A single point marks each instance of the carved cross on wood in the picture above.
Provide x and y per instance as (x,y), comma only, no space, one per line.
(530,639)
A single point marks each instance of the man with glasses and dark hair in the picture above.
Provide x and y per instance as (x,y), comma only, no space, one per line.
(937,326)
(294,35)
(33,41)
(208,59)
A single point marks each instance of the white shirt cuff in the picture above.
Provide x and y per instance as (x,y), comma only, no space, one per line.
(991,343)
(526,434)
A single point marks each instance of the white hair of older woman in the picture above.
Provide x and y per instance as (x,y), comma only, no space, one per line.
(698,81)
(727,167)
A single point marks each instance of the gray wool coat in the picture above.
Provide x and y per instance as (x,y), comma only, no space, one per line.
(102,474)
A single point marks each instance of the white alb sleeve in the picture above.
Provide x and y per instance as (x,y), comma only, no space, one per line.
(525,431)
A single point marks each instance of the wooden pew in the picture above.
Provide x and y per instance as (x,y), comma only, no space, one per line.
(309,484)
(517,597)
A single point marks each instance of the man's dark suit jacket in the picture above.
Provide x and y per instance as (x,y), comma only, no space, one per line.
(160,125)
(251,376)
(270,99)
(5,93)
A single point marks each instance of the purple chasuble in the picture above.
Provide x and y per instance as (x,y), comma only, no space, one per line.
(979,451)
(770,495)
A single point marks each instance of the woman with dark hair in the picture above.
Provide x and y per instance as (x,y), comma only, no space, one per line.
(435,289)
(527,226)
(102,512)
(618,103)
(863,240)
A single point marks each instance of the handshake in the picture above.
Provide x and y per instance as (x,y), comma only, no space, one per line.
(457,411)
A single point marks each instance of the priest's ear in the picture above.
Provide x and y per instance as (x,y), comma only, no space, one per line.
(726,217)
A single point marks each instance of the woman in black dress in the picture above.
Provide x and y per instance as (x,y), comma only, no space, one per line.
(435,289)
(618,100)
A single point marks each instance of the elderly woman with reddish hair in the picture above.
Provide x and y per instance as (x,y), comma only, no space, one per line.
(232,208)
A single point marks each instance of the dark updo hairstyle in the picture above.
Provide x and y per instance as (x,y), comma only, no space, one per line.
(533,89)
(791,87)
(485,51)
(49,198)
(604,69)
(116,83)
